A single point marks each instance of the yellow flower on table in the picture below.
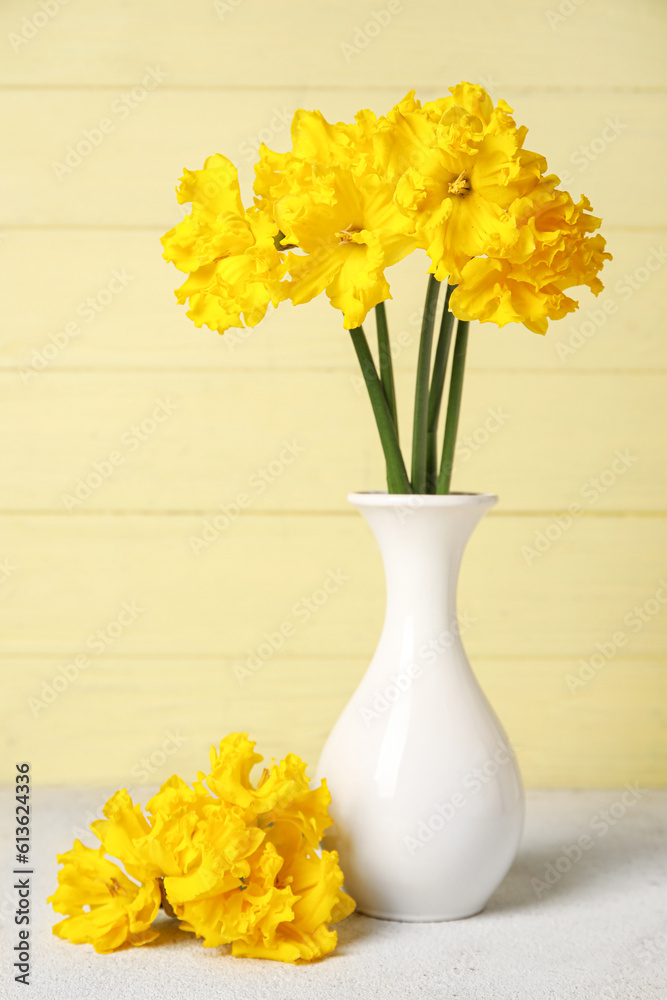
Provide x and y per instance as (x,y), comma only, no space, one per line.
(236,862)
(283,792)
(104,908)
(259,883)
(123,834)
(314,883)
(256,904)
(174,814)
(214,852)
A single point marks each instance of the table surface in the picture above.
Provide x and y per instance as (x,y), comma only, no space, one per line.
(593,927)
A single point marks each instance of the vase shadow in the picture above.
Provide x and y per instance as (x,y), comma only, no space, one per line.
(545,872)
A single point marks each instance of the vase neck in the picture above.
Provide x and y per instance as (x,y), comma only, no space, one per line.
(422,543)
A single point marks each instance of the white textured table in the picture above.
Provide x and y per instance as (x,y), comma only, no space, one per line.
(598,931)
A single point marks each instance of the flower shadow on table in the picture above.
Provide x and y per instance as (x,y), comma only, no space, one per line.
(355,928)
(171,934)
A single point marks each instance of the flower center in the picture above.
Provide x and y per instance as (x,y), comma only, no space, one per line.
(461,186)
(114,887)
(345,235)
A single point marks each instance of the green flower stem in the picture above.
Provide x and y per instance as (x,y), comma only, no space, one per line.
(421,388)
(397,476)
(436,390)
(384,354)
(453,407)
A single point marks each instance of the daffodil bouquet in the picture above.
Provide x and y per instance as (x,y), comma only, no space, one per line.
(237,863)
(450,177)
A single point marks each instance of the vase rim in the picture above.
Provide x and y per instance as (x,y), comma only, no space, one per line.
(380,498)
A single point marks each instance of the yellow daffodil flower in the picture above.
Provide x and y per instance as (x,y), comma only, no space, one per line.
(123,835)
(303,808)
(329,202)
(254,904)
(315,886)
(222,844)
(174,813)
(104,907)
(235,268)
(556,254)
(282,793)
(349,231)
(458,168)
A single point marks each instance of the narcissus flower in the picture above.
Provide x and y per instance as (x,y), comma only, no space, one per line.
(237,863)
(235,268)
(349,231)
(123,834)
(553,253)
(314,898)
(459,165)
(104,907)
(329,201)
(278,824)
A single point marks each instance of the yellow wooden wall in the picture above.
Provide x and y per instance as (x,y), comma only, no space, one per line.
(77,380)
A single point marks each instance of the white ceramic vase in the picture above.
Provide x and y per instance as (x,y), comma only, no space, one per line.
(427,799)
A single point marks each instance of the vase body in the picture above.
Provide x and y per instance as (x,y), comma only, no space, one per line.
(427,799)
